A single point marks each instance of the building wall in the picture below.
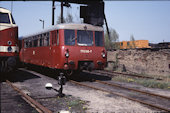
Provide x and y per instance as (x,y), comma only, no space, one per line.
(143,61)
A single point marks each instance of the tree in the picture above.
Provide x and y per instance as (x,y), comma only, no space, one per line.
(59,20)
(114,36)
(69,18)
(107,41)
(112,43)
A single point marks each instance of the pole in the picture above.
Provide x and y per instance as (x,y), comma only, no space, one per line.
(61,11)
(43,24)
(11,6)
(53,8)
(107,28)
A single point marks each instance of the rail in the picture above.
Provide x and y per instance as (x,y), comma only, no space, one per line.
(114,93)
(29,99)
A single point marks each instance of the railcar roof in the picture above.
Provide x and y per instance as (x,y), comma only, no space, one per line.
(3,10)
(67,26)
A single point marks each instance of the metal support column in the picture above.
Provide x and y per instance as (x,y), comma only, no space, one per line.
(53,8)
(107,28)
(61,11)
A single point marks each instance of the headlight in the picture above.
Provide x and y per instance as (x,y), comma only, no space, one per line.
(67,54)
(103,55)
(9,43)
(9,49)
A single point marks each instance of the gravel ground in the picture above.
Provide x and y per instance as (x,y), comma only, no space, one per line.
(104,102)
(12,102)
(96,101)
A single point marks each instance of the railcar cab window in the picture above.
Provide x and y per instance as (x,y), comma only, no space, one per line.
(12,19)
(69,37)
(99,38)
(4,18)
(84,38)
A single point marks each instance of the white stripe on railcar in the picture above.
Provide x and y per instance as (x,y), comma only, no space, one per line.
(72,26)
(5,49)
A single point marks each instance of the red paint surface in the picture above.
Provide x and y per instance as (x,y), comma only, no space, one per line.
(53,56)
(10,34)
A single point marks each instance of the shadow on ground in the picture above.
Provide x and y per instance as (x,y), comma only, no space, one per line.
(77,76)
(20,75)
(17,76)
(85,76)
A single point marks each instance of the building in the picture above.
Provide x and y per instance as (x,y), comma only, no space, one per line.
(134,44)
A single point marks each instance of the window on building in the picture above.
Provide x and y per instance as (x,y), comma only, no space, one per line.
(121,43)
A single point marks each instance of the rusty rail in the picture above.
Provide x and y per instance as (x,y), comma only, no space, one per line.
(127,74)
(132,89)
(155,106)
(32,101)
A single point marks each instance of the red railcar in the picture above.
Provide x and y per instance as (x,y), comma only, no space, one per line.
(66,47)
(9,49)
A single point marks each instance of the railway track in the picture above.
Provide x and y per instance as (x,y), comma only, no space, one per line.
(127,97)
(40,108)
(113,73)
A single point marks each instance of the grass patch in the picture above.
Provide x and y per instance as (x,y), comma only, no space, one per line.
(77,104)
(151,83)
(74,103)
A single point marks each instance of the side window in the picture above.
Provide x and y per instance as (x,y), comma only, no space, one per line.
(30,43)
(25,43)
(43,37)
(46,39)
(35,42)
(41,40)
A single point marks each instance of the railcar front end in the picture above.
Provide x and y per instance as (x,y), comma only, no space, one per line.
(8,41)
(83,50)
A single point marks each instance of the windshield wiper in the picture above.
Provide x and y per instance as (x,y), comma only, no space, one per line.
(73,39)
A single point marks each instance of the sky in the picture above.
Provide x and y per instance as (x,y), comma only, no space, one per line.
(145,20)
